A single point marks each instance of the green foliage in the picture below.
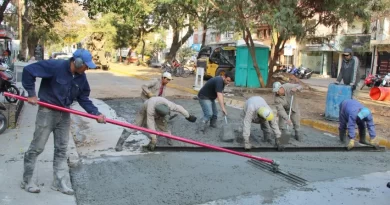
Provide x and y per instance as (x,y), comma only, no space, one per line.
(349,42)
(159,45)
(185,53)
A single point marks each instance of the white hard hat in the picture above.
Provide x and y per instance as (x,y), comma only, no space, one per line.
(276,86)
(167,75)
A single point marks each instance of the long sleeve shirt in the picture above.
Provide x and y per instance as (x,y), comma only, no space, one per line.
(58,86)
(349,72)
(283,102)
(349,118)
(154,88)
(151,112)
(251,107)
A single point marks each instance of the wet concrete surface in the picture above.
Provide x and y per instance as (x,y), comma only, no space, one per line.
(196,178)
(127,109)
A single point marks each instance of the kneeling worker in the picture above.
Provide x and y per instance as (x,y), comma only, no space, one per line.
(256,110)
(154,112)
(353,112)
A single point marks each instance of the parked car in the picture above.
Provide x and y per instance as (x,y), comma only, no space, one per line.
(55,54)
(64,56)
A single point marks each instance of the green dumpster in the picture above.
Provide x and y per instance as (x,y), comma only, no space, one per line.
(245,75)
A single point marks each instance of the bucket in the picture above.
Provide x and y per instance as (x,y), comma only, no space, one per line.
(380,93)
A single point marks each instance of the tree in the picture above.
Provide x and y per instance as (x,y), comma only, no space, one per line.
(42,14)
(288,19)
(178,15)
(135,18)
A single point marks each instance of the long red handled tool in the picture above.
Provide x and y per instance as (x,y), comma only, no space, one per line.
(273,164)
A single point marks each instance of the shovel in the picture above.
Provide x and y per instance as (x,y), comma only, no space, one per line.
(227,132)
(285,138)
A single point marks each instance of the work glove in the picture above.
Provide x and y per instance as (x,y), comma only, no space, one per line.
(191,118)
(150,95)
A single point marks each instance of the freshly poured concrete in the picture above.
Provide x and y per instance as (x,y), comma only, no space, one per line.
(366,189)
(126,108)
(196,178)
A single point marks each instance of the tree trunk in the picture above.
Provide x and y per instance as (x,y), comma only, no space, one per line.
(3,7)
(252,51)
(273,58)
(25,32)
(143,50)
(204,34)
(176,44)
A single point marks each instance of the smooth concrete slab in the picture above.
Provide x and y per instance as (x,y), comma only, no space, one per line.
(196,178)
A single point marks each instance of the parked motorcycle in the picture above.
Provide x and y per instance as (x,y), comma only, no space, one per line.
(3,119)
(372,81)
(304,73)
(386,81)
(7,83)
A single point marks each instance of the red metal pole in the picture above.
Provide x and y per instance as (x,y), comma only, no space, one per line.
(128,125)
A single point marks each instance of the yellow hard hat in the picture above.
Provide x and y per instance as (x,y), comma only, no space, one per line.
(265,113)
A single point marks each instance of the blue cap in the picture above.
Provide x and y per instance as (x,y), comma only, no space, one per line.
(86,56)
(364,112)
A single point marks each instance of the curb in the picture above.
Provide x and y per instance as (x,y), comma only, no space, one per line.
(316,124)
(327,127)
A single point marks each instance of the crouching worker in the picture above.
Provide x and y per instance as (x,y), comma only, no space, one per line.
(283,97)
(156,87)
(154,112)
(353,112)
(257,111)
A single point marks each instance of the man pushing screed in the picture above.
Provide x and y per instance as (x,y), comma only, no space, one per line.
(63,81)
(154,112)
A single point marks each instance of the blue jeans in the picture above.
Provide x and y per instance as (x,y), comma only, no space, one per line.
(209,108)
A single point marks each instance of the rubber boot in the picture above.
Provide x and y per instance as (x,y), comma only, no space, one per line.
(119,145)
(60,185)
(30,187)
(278,145)
(152,144)
(267,138)
(342,135)
(213,122)
(202,126)
(362,136)
(247,144)
(351,144)
(298,135)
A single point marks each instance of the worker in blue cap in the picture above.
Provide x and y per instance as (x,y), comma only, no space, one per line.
(63,81)
(352,112)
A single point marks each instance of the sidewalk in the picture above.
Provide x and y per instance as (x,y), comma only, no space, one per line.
(13,144)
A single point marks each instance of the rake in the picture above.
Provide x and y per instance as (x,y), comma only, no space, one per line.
(260,162)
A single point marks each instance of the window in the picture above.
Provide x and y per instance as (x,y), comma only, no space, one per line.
(288,60)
